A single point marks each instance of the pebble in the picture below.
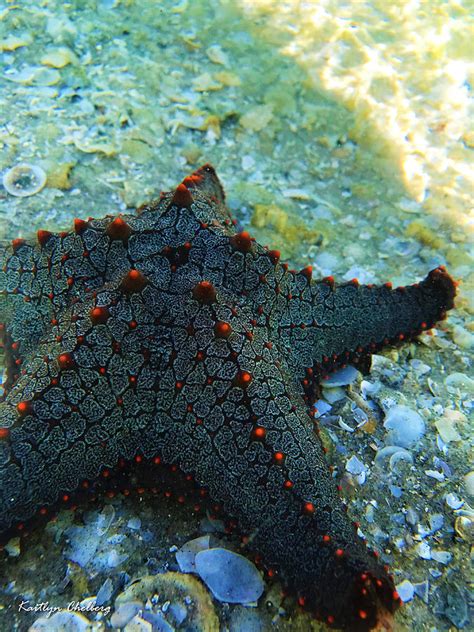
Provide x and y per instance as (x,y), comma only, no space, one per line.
(137,624)
(342,377)
(134,523)
(436,522)
(24,180)
(124,613)
(61,621)
(469,483)
(419,367)
(186,555)
(229,576)
(245,620)
(443,557)
(464,527)
(451,601)
(13,547)
(405,426)
(406,590)
(423,550)
(422,590)
(105,592)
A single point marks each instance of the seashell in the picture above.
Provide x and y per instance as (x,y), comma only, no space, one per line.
(24,180)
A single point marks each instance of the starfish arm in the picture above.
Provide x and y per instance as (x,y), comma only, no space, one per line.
(326,325)
(241,428)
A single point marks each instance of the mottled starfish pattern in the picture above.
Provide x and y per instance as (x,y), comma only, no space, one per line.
(169,337)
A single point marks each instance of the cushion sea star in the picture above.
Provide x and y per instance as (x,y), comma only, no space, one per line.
(168,336)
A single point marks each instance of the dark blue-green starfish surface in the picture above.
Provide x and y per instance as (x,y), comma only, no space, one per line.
(169,337)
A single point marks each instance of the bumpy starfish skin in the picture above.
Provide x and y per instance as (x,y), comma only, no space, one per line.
(169,335)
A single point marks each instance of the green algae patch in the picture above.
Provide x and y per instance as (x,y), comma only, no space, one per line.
(424,234)
(284,230)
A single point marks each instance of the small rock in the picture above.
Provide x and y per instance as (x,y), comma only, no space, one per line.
(422,590)
(60,621)
(424,551)
(134,523)
(245,620)
(13,547)
(105,592)
(443,557)
(469,483)
(125,613)
(229,576)
(186,555)
(137,624)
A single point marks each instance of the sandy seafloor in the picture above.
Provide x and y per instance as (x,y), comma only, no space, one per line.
(341,133)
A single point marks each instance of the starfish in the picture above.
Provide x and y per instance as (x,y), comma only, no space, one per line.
(169,337)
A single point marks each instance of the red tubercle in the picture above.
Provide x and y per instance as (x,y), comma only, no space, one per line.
(242,379)
(204,292)
(307,272)
(80,226)
(17,243)
(288,484)
(241,241)
(24,408)
(4,433)
(326,538)
(43,237)
(99,315)
(182,196)
(118,229)
(339,553)
(308,508)
(133,324)
(354,282)
(133,282)
(279,457)
(274,256)
(65,361)
(259,433)
(329,280)
(222,329)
